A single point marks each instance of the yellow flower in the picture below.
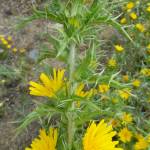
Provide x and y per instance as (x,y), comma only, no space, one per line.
(49,86)
(125,78)
(123,21)
(130,5)
(9,38)
(8,46)
(141,144)
(145,72)
(124,94)
(133,16)
(119,48)
(127,118)
(112,62)
(148,138)
(136,83)
(148,9)
(148,46)
(103,88)
(99,137)
(79,91)
(5,42)
(140,27)
(125,135)
(14,50)
(45,141)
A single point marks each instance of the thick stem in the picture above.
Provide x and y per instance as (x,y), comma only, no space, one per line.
(71,125)
(72,61)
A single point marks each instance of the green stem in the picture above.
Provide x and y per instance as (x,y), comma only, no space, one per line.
(71,124)
(72,61)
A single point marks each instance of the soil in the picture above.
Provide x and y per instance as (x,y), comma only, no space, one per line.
(15,102)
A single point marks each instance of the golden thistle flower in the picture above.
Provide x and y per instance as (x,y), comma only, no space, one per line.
(125,135)
(81,93)
(136,83)
(125,78)
(141,144)
(133,16)
(45,141)
(112,63)
(127,118)
(49,86)
(124,94)
(148,9)
(103,88)
(140,27)
(130,5)
(145,72)
(99,137)
(119,48)
(123,21)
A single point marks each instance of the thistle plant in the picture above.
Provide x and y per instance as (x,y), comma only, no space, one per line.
(84,89)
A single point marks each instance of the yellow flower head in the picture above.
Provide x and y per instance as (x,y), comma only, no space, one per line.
(81,93)
(136,83)
(123,21)
(99,137)
(112,63)
(127,118)
(49,86)
(140,27)
(103,88)
(119,48)
(125,78)
(145,72)
(14,50)
(133,16)
(148,46)
(125,135)
(130,5)
(148,138)
(45,141)
(141,144)
(124,94)
(148,9)
(9,38)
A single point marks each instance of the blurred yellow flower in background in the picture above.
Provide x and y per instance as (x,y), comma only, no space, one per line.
(125,135)
(123,21)
(81,93)
(103,88)
(49,86)
(130,5)
(140,27)
(125,78)
(119,48)
(127,117)
(145,72)
(141,144)
(133,16)
(148,9)
(112,62)
(136,83)
(99,137)
(45,141)
(124,94)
